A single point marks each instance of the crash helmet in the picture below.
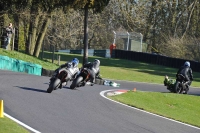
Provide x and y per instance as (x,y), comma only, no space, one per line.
(96,63)
(187,63)
(75,61)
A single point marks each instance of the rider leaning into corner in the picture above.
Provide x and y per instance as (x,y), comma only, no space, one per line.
(93,69)
(186,71)
(73,64)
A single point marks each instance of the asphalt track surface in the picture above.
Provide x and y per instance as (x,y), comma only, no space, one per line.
(80,111)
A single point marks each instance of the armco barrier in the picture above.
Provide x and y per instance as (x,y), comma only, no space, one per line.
(101,53)
(76,52)
(91,52)
(154,59)
(46,72)
(7,63)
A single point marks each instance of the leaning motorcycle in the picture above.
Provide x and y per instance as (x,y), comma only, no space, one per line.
(60,79)
(180,85)
(82,78)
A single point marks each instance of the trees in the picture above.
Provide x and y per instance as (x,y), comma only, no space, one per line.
(159,22)
(164,24)
(97,6)
(41,14)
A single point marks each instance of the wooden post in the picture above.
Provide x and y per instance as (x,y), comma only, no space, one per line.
(13,40)
(59,60)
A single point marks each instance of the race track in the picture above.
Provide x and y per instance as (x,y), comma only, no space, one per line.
(80,111)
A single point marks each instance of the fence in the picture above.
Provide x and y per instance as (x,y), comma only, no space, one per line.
(132,41)
(91,52)
(154,59)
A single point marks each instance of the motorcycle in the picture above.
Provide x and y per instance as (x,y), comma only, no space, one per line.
(169,83)
(82,78)
(61,78)
(180,85)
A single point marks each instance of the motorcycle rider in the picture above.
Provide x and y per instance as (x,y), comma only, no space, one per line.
(73,64)
(93,69)
(186,71)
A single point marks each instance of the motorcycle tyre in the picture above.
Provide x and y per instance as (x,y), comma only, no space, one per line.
(76,82)
(176,87)
(54,85)
(186,92)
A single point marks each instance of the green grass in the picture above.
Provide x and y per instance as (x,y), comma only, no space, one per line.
(9,126)
(184,108)
(168,105)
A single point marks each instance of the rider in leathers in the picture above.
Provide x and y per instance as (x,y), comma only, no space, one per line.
(94,70)
(73,65)
(186,71)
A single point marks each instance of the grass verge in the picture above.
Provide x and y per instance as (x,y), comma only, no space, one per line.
(184,108)
(9,126)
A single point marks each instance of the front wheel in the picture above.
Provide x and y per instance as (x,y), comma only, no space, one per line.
(54,85)
(76,82)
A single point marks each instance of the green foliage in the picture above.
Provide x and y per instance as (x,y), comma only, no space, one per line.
(99,5)
(21,39)
(96,5)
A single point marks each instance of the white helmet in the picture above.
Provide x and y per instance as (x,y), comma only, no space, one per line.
(187,63)
(96,63)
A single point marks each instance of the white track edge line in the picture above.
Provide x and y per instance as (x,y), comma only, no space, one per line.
(103,92)
(21,123)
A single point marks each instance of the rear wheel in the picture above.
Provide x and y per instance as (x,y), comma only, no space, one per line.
(54,85)
(177,87)
(76,82)
(186,89)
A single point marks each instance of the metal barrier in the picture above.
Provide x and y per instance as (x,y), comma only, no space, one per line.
(154,59)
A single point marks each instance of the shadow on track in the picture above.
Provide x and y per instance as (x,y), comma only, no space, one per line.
(32,89)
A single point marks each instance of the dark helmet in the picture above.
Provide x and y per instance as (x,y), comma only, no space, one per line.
(75,61)
(96,63)
(187,63)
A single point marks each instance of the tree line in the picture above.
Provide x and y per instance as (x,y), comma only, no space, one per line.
(170,27)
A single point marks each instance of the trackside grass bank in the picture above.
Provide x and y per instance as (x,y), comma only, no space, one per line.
(184,108)
(9,126)
(166,104)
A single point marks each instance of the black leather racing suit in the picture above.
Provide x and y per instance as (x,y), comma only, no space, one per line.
(69,65)
(186,71)
(93,69)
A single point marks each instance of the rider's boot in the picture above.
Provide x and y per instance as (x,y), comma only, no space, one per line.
(92,81)
(60,86)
